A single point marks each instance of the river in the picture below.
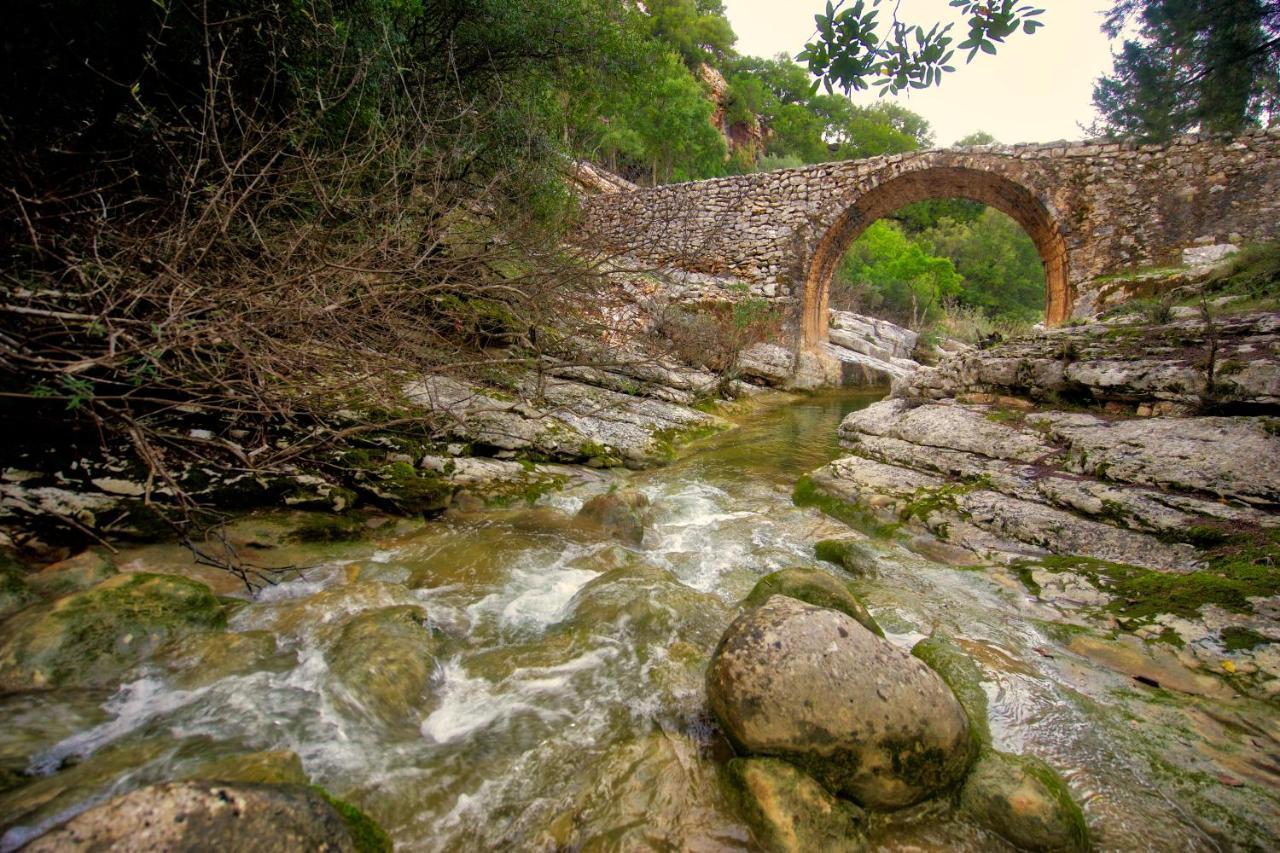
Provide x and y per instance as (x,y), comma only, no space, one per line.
(566,704)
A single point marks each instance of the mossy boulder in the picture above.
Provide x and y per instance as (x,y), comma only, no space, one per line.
(1025,801)
(621,513)
(812,686)
(384,658)
(790,812)
(408,490)
(814,587)
(73,574)
(197,815)
(649,606)
(195,660)
(329,527)
(964,678)
(854,557)
(90,638)
(269,767)
(1018,797)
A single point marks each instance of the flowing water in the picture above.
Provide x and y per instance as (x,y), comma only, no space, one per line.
(566,707)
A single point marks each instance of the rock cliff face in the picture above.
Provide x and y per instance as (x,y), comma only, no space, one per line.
(744,139)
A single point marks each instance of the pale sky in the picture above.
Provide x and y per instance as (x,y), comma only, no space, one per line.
(1037,88)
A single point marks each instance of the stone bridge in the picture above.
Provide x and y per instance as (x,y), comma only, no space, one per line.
(1092,209)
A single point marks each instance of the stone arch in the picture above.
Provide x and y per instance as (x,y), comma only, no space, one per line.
(884,198)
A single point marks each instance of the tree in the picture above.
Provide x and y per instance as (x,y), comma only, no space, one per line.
(853,45)
(1207,64)
(1002,271)
(698,29)
(661,126)
(887,273)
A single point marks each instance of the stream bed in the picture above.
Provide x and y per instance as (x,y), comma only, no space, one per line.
(565,707)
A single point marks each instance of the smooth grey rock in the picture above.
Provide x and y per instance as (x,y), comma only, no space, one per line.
(1214,455)
(813,687)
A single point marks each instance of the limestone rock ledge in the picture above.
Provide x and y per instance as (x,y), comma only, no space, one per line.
(1003,484)
(860,352)
(1229,362)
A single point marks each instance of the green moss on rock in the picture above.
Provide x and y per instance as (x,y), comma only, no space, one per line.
(366,833)
(790,812)
(1243,565)
(1025,801)
(854,557)
(813,587)
(963,676)
(15,593)
(90,638)
(326,527)
(807,494)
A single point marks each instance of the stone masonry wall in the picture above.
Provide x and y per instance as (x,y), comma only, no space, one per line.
(1092,208)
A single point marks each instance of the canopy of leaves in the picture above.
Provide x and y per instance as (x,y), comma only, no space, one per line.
(1212,65)
(855,45)
(886,274)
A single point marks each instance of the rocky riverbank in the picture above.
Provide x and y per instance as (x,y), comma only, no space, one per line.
(1129,474)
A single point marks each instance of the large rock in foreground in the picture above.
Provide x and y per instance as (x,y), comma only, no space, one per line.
(1022,799)
(212,816)
(814,687)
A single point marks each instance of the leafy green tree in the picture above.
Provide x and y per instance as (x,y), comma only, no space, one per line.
(1207,64)
(887,274)
(661,127)
(978,137)
(1001,267)
(697,29)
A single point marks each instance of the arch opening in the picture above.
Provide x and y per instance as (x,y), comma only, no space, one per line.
(882,200)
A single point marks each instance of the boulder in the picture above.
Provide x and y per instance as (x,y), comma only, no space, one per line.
(91,638)
(790,812)
(813,587)
(1023,800)
(814,687)
(1018,797)
(385,659)
(649,606)
(851,555)
(620,513)
(201,658)
(211,816)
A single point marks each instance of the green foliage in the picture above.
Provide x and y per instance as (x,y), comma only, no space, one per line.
(854,45)
(887,274)
(1207,64)
(1002,271)
(695,28)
